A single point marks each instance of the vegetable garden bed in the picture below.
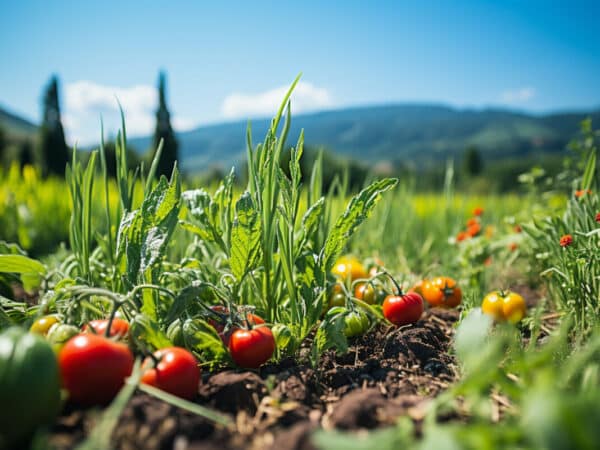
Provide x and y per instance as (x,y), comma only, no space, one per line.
(386,373)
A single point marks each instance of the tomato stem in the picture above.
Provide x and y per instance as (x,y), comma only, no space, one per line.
(394,282)
(116,305)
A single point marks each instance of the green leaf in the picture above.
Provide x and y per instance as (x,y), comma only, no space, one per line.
(144,233)
(203,339)
(186,296)
(7,248)
(590,170)
(330,334)
(146,330)
(312,216)
(21,264)
(471,334)
(388,438)
(245,236)
(359,208)
(206,212)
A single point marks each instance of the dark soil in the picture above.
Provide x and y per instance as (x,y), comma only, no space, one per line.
(385,374)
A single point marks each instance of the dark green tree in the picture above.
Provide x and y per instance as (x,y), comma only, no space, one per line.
(165,132)
(472,162)
(53,150)
(2,146)
(26,156)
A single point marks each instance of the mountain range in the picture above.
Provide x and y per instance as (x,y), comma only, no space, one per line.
(16,127)
(421,134)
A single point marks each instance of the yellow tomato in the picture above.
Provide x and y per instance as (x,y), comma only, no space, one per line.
(349,267)
(43,324)
(492,305)
(504,306)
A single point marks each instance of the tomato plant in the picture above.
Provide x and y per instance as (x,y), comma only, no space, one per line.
(504,306)
(442,291)
(349,268)
(93,368)
(175,372)
(119,327)
(29,386)
(43,324)
(403,309)
(251,348)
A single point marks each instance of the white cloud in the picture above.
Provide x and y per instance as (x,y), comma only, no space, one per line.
(86,102)
(520,95)
(305,97)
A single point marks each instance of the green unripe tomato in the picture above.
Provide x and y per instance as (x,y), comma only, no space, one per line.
(337,299)
(29,386)
(59,334)
(356,323)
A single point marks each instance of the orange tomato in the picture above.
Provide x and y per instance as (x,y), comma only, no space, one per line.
(442,291)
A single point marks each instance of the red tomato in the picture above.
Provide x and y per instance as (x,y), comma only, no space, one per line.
(119,327)
(93,368)
(176,373)
(252,320)
(251,348)
(403,309)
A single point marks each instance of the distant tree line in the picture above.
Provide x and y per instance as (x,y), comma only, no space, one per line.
(49,151)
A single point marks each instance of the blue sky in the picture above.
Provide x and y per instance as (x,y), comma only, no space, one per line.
(228,60)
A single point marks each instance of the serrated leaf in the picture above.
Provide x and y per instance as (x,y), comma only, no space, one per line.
(144,233)
(145,329)
(312,216)
(245,236)
(359,208)
(202,233)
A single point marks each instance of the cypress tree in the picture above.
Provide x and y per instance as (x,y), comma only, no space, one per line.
(53,149)
(2,146)
(26,156)
(165,132)
(473,164)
